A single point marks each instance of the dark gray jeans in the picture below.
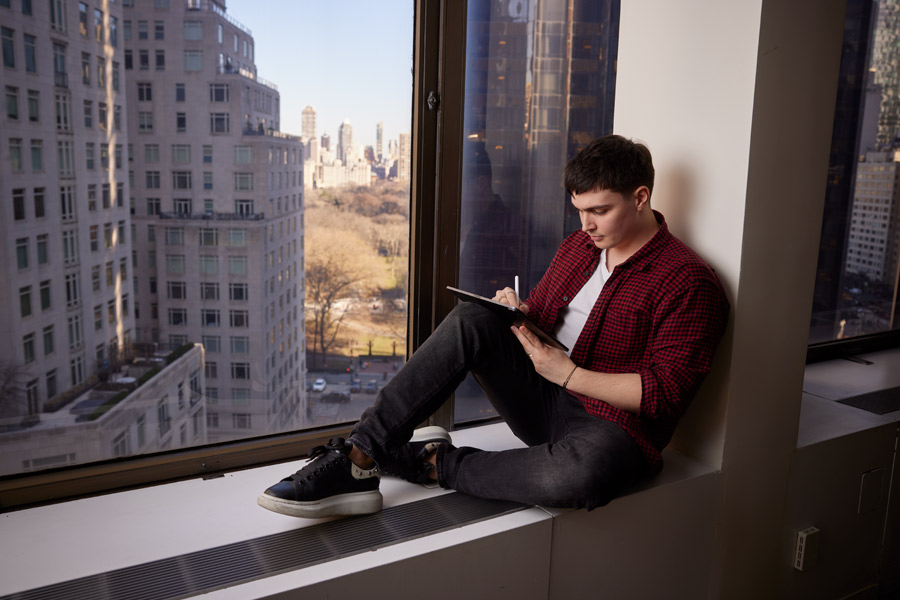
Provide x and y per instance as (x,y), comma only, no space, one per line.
(574,459)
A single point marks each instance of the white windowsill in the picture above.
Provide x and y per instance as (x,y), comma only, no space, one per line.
(56,543)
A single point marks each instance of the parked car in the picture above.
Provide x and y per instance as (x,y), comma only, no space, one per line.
(319,385)
(336,397)
(371,387)
(355,385)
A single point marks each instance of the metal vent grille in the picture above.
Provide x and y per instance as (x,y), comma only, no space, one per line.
(880,402)
(224,566)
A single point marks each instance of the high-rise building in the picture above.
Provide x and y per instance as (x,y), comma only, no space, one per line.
(875,218)
(309,123)
(886,63)
(379,140)
(345,142)
(69,391)
(404,158)
(67,304)
(217,208)
(325,142)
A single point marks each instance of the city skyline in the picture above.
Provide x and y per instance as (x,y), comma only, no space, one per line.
(290,51)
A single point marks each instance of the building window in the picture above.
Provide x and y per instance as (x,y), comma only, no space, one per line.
(209,265)
(12,102)
(159,30)
(30,54)
(174,236)
(209,291)
(239,318)
(183,206)
(18,197)
(243,155)
(175,264)
(22,253)
(176,290)
(243,182)
(160,60)
(34,106)
(181,180)
(240,345)
(42,255)
(73,297)
(145,92)
(37,155)
(145,122)
(181,154)
(177,316)
(25,301)
(15,154)
(180,122)
(219,122)
(237,265)
(218,92)
(179,92)
(240,370)
(193,31)
(211,343)
(152,182)
(243,207)
(9,47)
(45,295)
(209,237)
(207,154)
(39,208)
(28,348)
(193,60)
(209,317)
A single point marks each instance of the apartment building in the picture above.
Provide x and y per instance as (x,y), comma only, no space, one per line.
(217,206)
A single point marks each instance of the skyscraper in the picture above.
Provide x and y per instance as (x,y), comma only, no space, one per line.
(309,123)
(345,142)
(379,140)
(217,203)
(405,157)
(886,63)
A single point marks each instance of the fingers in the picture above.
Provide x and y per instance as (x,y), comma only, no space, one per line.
(507,296)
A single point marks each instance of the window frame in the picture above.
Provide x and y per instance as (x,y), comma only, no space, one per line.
(436,168)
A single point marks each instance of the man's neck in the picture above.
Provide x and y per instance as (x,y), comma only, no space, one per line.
(622,252)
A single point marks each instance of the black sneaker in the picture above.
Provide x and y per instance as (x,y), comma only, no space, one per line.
(410,463)
(329,485)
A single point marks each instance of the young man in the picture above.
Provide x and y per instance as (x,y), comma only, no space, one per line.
(642,315)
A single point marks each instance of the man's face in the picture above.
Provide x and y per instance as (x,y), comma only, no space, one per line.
(610,218)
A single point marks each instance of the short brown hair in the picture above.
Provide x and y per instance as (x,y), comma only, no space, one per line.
(611,163)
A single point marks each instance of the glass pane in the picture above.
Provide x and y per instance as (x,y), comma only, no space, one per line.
(857,275)
(295,270)
(540,85)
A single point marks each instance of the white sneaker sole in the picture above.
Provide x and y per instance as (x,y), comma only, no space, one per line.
(355,503)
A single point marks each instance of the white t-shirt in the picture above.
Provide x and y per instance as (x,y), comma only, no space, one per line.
(574,316)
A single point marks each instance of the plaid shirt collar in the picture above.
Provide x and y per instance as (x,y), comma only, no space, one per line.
(644,258)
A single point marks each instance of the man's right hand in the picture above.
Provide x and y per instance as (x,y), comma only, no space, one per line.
(508,296)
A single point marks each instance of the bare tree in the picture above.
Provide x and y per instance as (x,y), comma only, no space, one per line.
(12,388)
(337,267)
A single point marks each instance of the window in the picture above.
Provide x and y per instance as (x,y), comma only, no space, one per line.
(153,204)
(142,30)
(211,343)
(240,370)
(193,30)
(70,247)
(179,92)
(207,180)
(143,60)
(129,60)
(240,345)
(73,297)
(25,301)
(243,182)
(183,206)
(83,19)
(175,264)
(22,253)
(209,237)
(37,155)
(95,238)
(75,333)
(18,196)
(103,116)
(45,295)
(160,60)
(181,180)
(181,122)
(89,156)
(15,155)
(64,159)
(34,106)
(30,54)
(145,122)
(209,317)
(151,153)
(209,291)
(209,265)
(63,112)
(159,30)
(176,290)
(59,62)
(193,60)
(101,72)
(48,340)
(174,236)
(243,207)
(218,92)
(98,25)
(239,318)
(67,202)
(207,154)
(242,421)
(152,183)
(243,155)
(237,265)
(12,102)
(219,123)
(145,92)
(177,316)
(181,154)
(28,348)
(9,47)
(42,249)
(39,208)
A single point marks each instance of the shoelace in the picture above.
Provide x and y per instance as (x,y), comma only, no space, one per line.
(323,457)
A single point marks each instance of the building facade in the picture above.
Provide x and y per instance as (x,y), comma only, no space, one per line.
(874,223)
(218,213)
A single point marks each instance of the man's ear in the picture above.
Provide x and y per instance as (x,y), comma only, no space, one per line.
(641,197)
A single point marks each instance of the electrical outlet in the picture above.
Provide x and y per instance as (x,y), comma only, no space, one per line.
(807,548)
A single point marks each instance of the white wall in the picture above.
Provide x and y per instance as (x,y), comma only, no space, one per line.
(736,100)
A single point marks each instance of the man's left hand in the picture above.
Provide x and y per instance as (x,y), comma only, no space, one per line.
(551,363)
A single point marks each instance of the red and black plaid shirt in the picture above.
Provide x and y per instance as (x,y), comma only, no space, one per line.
(661,315)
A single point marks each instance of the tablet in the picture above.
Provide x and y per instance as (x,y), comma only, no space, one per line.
(510,314)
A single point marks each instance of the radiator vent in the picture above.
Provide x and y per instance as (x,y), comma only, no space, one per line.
(232,564)
(880,402)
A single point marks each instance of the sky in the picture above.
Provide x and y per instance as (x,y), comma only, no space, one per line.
(348,59)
